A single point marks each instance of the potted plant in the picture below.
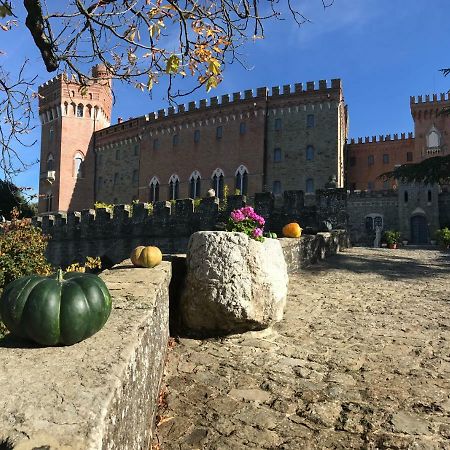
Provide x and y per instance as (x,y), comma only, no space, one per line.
(443,238)
(392,238)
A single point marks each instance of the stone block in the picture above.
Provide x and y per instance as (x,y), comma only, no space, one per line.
(233,283)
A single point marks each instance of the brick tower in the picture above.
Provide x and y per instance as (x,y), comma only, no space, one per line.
(69,118)
(431,126)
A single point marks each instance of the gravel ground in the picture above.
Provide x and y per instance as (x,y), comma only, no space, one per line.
(360,360)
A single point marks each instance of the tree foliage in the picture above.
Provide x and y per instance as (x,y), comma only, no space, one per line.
(11,198)
(142,42)
(429,171)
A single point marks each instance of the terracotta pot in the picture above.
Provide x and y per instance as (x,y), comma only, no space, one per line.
(392,246)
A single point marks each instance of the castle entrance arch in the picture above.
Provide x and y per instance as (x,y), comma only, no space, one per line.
(419,230)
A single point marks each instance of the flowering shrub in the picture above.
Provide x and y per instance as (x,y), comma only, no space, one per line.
(247,221)
(91,264)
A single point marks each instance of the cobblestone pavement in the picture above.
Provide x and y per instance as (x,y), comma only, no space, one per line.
(360,360)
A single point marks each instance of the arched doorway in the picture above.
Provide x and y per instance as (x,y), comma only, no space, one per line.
(419,230)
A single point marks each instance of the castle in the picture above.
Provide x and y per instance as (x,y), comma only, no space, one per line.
(263,140)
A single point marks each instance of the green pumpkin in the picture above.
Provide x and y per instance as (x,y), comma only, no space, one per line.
(60,309)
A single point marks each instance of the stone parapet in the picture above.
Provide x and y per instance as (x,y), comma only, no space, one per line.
(102,392)
(301,253)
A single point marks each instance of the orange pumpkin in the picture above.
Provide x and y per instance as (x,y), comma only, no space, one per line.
(150,257)
(135,255)
(292,230)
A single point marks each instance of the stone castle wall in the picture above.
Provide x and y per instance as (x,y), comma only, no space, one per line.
(242,130)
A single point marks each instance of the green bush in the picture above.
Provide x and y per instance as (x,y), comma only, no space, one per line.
(22,252)
(443,237)
(392,237)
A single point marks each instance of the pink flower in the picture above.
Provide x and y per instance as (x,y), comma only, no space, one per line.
(237,216)
(257,232)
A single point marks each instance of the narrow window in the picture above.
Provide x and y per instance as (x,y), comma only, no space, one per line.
(51,134)
(66,108)
(405,196)
(369,223)
(429,197)
(409,156)
(370,160)
(242,128)
(50,114)
(277,155)
(197,136)
(80,110)
(310,153)
(219,132)
(309,186)
(116,179)
(50,163)
(352,161)
(310,122)
(79,166)
(276,187)
(385,158)
(174,187)
(278,124)
(135,177)
(49,202)
(136,150)
(117,154)
(155,144)
(175,140)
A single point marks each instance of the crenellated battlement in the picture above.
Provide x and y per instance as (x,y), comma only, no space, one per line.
(434,98)
(383,138)
(249,96)
(112,234)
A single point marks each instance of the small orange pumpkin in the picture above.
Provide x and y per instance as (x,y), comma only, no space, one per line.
(292,230)
(147,256)
(135,255)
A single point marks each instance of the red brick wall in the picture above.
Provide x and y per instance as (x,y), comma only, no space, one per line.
(360,172)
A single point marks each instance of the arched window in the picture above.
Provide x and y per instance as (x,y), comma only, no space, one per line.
(433,138)
(51,134)
(310,153)
(309,185)
(195,184)
(174,187)
(50,165)
(217,182)
(80,110)
(242,180)
(74,108)
(66,108)
(49,201)
(429,196)
(78,165)
(89,110)
(154,190)
(405,196)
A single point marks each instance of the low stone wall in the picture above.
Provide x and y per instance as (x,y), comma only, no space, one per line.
(102,392)
(300,253)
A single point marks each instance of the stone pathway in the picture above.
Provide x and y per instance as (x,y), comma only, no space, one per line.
(361,360)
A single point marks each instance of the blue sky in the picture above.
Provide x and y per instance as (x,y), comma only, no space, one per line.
(383,50)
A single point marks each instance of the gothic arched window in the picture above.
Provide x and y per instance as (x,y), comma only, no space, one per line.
(50,165)
(80,110)
(195,184)
(154,190)
(174,187)
(242,180)
(78,165)
(217,182)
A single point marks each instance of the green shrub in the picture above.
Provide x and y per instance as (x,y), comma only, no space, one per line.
(392,237)
(22,250)
(443,237)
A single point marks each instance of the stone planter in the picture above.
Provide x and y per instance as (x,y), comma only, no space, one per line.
(233,284)
(392,246)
